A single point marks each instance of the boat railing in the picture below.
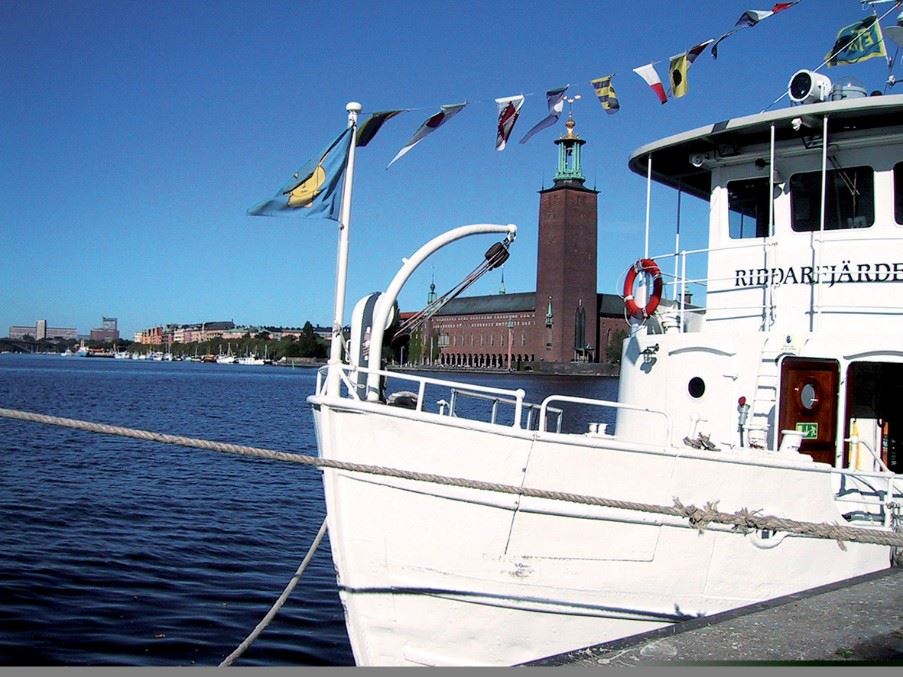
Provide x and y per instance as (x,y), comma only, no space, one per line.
(680,286)
(881,489)
(456,389)
(530,409)
(545,408)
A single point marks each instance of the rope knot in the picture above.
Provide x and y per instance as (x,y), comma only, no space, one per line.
(699,518)
(746,520)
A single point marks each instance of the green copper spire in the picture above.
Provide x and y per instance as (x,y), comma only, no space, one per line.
(569,155)
(431,297)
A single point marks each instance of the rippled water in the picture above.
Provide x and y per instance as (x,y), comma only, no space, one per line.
(121,552)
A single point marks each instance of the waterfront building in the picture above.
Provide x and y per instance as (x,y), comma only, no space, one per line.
(40,330)
(565,324)
(183,333)
(108,332)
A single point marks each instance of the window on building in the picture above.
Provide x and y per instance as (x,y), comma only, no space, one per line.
(898,192)
(849,199)
(747,201)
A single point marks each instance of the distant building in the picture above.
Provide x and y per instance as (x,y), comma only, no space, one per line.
(40,330)
(183,333)
(108,331)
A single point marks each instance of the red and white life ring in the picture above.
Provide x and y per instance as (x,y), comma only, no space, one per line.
(648,267)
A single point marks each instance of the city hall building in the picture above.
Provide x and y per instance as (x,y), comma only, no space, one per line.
(565,325)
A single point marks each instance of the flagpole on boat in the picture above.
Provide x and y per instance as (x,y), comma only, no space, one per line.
(333,381)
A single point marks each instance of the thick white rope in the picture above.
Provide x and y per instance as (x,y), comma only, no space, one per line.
(743,520)
(277,605)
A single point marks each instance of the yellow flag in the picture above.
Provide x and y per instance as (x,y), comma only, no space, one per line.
(678,70)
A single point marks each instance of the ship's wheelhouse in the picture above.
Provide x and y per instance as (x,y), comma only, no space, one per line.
(798,307)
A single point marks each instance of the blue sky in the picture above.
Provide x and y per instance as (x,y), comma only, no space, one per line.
(134,136)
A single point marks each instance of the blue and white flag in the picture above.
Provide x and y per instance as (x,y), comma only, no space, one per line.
(315,189)
(555,98)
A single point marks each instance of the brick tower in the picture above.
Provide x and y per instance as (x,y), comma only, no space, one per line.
(567,319)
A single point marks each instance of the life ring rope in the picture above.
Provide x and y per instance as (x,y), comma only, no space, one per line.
(650,268)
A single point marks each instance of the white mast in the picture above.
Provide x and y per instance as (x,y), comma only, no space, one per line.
(333,382)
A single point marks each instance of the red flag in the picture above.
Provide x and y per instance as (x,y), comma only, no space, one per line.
(509,110)
(652,79)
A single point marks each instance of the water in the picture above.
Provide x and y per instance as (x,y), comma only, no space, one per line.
(122,552)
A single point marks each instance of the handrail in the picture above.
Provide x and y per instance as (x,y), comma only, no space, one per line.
(855,439)
(891,477)
(515,397)
(602,403)
(679,284)
(885,474)
(496,400)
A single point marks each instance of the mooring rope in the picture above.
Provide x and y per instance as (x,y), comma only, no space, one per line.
(743,520)
(271,614)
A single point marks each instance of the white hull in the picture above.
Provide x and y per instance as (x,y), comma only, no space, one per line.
(778,397)
(449,576)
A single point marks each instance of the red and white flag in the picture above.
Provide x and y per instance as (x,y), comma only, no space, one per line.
(652,79)
(428,127)
(509,110)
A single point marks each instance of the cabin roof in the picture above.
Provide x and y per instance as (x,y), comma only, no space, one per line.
(671,156)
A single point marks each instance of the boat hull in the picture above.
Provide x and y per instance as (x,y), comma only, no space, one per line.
(442,575)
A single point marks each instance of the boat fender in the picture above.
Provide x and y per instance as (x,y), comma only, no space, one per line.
(649,267)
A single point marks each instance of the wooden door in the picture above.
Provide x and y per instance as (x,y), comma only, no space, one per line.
(809,404)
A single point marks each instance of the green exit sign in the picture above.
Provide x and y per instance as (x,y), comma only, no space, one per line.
(809,430)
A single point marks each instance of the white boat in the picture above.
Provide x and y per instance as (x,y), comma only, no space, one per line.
(226,358)
(777,398)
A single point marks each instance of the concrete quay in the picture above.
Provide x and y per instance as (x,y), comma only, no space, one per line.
(856,622)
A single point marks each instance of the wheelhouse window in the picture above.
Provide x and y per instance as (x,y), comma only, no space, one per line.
(898,192)
(747,201)
(849,199)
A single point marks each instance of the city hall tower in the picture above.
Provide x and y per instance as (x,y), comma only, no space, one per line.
(566,313)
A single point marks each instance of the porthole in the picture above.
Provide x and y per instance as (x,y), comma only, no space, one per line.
(696,387)
(808,396)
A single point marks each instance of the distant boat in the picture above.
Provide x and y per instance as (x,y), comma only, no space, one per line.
(228,358)
(99,352)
